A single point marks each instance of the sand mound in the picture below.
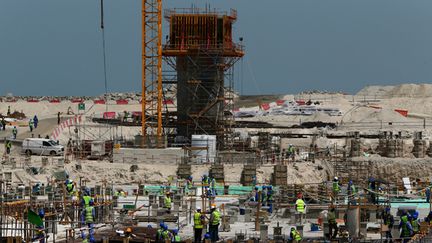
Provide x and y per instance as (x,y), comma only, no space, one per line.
(375,90)
(411,90)
(402,90)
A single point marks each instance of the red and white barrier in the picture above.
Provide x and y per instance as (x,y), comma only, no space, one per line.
(65,124)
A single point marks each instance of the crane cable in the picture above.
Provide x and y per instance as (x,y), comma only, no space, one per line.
(104,54)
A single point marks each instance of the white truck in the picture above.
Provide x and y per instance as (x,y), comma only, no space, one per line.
(42,146)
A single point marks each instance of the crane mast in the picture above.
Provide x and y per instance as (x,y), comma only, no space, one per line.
(151,87)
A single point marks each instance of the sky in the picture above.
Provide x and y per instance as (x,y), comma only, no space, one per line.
(54,47)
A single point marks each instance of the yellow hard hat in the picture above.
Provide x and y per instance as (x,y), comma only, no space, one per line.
(129,230)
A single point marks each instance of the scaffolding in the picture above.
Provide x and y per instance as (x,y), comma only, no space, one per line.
(201,51)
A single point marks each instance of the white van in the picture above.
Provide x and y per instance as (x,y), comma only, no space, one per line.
(41,146)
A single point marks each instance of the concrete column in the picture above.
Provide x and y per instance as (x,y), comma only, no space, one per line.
(263,232)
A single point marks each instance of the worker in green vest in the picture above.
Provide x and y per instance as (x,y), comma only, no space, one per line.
(415,223)
(166,234)
(295,236)
(176,237)
(8,146)
(86,198)
(405,227)
(70,186)
(159,232)
(167,202)
(335,188)
(300,209)
(352,193)
(199,220)
(31,125)
(88,219)
(214,222)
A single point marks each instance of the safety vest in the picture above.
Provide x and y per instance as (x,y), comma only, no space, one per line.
(87,200)
(30,123)
(8,144)
(189,184)
(300,205)
(336,187)
(167,201)
(205,181)
(415,225)
(177,238)
(89,215)
(166,235)
(197,221)
(159,234)
(216,217)
(70,187)
(264,196)
(405,231)
(270,195)
(14,131)
(296,235)
(353,189)
(291,150)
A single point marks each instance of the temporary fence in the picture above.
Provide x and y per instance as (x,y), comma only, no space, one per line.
(65,124)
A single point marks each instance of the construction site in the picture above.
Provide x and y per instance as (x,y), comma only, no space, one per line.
(189,159)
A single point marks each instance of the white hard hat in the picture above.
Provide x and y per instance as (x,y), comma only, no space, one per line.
(213,206)
(336,178)
(198,208)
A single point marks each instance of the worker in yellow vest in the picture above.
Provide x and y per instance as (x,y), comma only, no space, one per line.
(167,202)
(199,220)
(300,209)
(214,222)
(295,236)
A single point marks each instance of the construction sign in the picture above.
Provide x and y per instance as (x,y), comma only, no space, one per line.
(81,106)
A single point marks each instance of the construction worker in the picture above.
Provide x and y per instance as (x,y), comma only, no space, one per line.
(205,181)
(31,125)
(188,185)
(35,121)
(40,229)
(331,219)
(295,235)
(86,199)
(264,196)
(88,219)
(405,227)
(167,202)
(352,191)
(428,193)
(199,220)
(9,110)
(414,222)
(159,232)
(70,186)
(166,234)
(128,233)
(214,222)
(176,237)
(388,220)
(3,123)
(270,198)
(372,189)
(300,209)
(291,152)
(213,186)
(336,188)
(14,132)
(8,146)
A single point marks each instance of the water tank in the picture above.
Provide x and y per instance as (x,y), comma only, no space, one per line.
(208,145)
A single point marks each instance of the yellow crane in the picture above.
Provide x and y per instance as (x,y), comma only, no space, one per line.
(151,100)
